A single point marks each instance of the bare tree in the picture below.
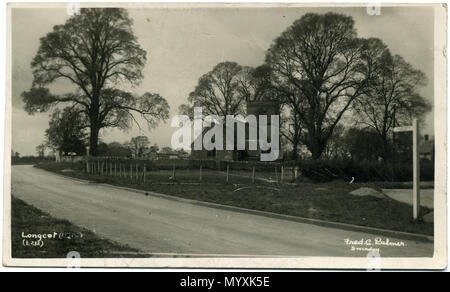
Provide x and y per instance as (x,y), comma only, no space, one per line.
(256,84)
(392,98)
(291,129)
(96,51)
(219,92)
(336,146)
(321,67)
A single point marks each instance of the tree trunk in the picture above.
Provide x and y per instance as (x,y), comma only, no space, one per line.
(93,141)
(316,148)
(386,151)
(316,153)
(94,122)
(295,149)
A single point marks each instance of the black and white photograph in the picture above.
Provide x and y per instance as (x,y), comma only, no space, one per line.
(226,135)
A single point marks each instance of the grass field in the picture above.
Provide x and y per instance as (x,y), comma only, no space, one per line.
(27,222)
(326,201)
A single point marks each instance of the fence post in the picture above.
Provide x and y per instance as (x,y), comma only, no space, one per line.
(200,172)
(253,175)
(173,172)
(282,174)
(115,168)
(101,169)
(137,172)
(276,174)
(228,172)
(416,171)
(131,171)
(98,166)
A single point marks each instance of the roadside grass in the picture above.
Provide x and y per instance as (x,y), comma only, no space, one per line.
(30,160)
(325,201)
(26,219)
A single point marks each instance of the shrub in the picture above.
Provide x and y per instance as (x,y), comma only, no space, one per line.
(362,171)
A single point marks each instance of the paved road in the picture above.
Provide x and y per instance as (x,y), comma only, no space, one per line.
(157,225)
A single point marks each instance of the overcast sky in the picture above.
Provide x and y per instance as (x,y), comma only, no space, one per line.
(183,44)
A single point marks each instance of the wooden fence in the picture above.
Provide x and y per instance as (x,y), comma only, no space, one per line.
(137,170)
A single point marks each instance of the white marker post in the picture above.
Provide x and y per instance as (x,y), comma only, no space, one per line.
(416,165)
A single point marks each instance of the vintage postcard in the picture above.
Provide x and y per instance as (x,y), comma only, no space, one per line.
(209,135)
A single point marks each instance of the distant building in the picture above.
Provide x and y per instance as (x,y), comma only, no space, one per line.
(426,148)
(256,108)
(165,154)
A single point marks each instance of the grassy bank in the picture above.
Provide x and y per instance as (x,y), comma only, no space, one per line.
(326,201)
(28,221)
(30,160)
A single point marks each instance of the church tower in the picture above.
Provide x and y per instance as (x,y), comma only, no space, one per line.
(257,108)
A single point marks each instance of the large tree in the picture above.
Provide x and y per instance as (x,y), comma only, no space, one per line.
(220,92)
(255,84)
(320,68)
(97,52)
(392,99)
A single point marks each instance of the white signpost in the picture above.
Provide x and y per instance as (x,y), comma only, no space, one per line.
(416,165)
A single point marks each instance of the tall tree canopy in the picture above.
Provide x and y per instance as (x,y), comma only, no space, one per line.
(320,68)
(97,52)
(392,98)
(222,91)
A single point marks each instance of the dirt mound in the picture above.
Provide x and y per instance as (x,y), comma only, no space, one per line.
(363,192)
